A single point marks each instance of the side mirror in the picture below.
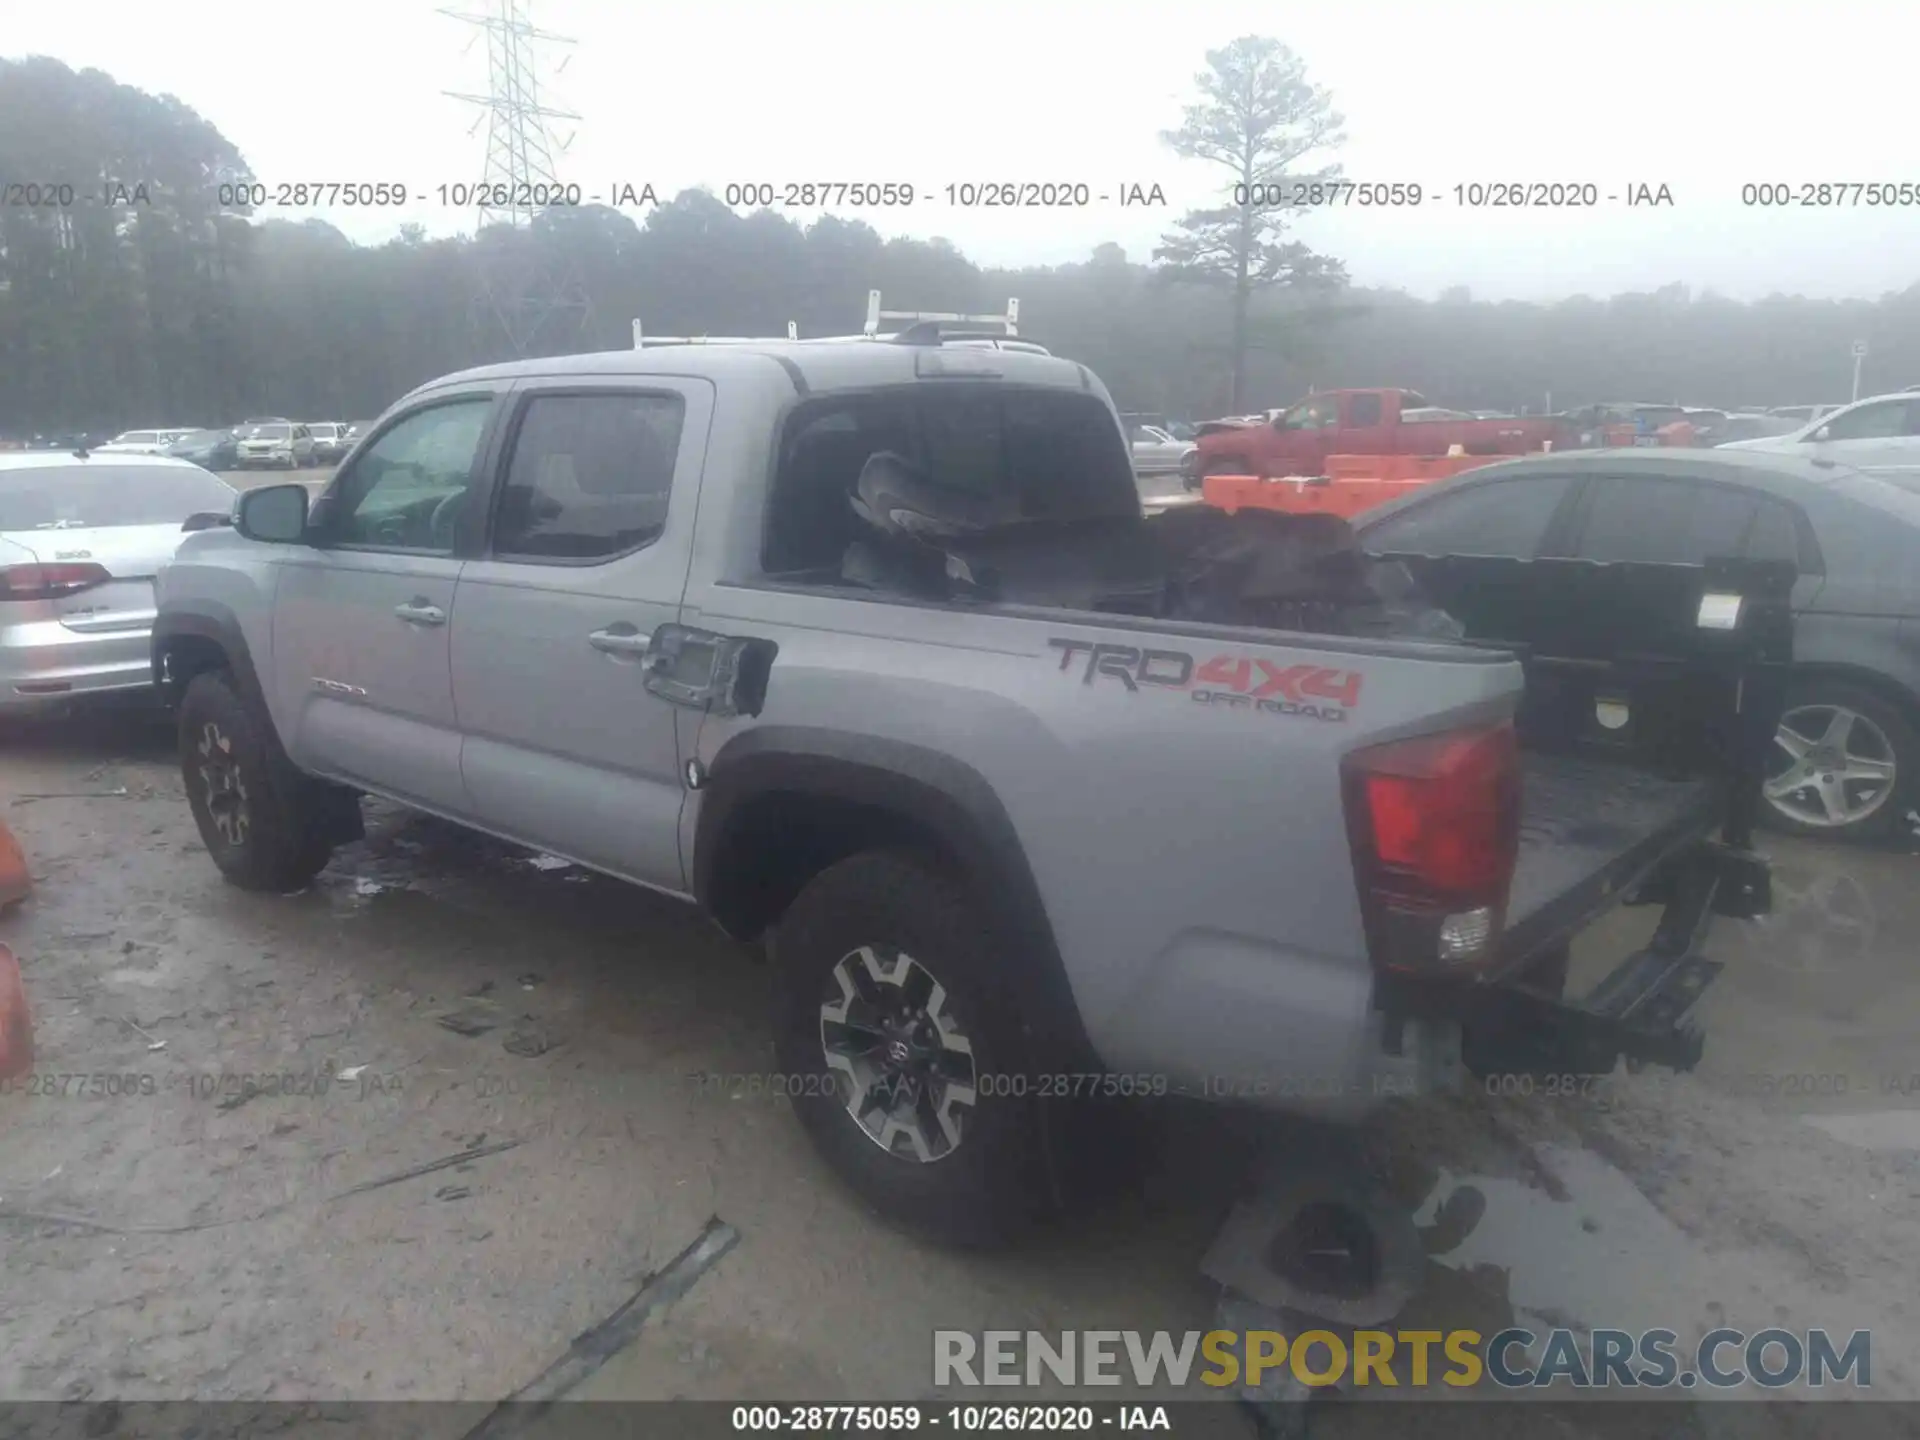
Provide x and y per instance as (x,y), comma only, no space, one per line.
(1820,436)
(276,514)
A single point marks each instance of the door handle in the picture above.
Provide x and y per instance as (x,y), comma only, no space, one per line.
(619,641)
(418,612)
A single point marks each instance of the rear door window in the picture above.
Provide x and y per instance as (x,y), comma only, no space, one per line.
(590,476)
(1051,455)
(1676,522)
(1883,421)
(86,494)
(1493,517)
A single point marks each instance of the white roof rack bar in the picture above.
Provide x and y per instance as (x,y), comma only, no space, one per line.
(1009,322)
(875,315)
(642,340)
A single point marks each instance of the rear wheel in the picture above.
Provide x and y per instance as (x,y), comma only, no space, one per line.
(261,820)
(1842,762)
(904,1049)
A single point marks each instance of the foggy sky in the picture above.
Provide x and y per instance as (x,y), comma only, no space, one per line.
(1700,97)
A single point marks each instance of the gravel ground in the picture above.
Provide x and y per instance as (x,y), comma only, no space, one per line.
(176,1237)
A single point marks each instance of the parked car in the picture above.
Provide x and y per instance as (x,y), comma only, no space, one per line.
(140,442)
(1846,761)
(884,709)
(275,444)
(1156,452)
(329,439)
(1751,425)
(1880,435)
(1359,422)
(80,543)
(1178,429)
(1802,414)
(1616,423)
(355,430)
(209,449)
(68,441)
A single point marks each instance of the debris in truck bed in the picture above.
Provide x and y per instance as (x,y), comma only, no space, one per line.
(1257,568)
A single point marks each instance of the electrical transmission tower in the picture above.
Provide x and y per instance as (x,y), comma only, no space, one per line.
(528,293)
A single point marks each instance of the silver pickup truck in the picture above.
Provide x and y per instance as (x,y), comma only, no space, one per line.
(868,649)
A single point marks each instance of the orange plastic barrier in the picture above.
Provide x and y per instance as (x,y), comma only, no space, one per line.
(1404,468)
(16,1026)
(15,882)
(1352,484)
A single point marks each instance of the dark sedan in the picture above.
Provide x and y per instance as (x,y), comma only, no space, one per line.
(209,449)
(1846,759)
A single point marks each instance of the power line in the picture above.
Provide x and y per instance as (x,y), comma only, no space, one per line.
(527,290)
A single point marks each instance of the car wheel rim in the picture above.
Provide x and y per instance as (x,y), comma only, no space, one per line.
(1833,767)
(222,785)
(888,1029)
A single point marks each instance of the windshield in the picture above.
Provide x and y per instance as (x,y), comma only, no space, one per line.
(197,439)
(265,432)
(47,497)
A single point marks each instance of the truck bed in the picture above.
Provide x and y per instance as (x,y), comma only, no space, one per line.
(1589,829)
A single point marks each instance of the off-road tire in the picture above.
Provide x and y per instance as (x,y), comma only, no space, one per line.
(993,1188)
(283,843)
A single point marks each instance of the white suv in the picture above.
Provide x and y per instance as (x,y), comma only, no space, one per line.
(1880,435)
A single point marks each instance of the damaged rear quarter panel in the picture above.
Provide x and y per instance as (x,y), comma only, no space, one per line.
(1175,791)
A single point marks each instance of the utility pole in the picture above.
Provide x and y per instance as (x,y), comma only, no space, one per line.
(528,295)
(1859,354)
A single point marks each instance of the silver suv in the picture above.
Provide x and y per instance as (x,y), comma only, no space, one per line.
(272,444)
(867,648)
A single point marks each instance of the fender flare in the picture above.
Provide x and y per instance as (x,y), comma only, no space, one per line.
(933,793)
(207,620)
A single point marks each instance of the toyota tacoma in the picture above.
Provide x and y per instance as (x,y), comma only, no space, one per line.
(867,648)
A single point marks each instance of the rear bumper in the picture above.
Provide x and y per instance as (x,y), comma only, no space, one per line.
(1236,1022)
(1639,1012)
(43,663)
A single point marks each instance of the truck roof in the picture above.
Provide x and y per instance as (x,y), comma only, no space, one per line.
(814,365)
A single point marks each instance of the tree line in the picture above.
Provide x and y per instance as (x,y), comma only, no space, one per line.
(168,307)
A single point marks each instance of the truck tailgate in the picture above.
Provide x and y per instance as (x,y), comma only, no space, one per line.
(1589,830)
(1652,696)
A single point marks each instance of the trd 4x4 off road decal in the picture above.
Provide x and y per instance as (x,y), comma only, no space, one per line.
(1236,681)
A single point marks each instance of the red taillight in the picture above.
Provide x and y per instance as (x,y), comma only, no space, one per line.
(48,582)
(1435,824)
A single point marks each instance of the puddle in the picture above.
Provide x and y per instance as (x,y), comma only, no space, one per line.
(1897,1130)
(1603,1256)
(1607,1257)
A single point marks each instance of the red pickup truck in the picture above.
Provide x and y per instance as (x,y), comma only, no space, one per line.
(1362,422)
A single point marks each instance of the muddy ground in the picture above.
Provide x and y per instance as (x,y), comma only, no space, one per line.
(166,1233)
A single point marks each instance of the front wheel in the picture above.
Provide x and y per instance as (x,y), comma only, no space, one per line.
(903,1049)
(1842,762)
(258,816)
